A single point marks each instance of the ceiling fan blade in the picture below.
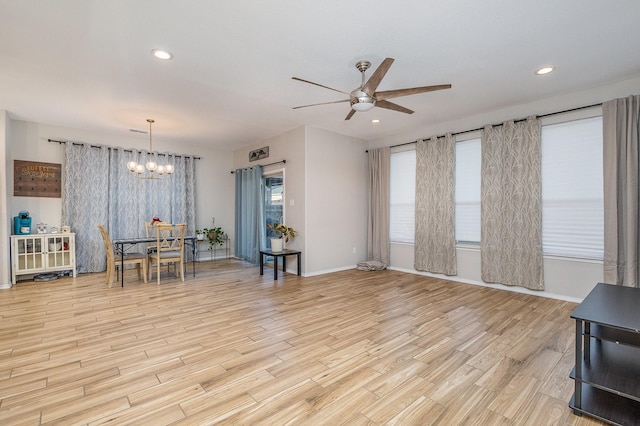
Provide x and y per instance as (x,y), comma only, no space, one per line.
(377,76)
(353,111)
(322,103)
(320,85)
(390,94)
(395,107)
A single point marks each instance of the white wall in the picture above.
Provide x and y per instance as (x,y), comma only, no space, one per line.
(325,195)
(567,279)
(29,141)
(564,278)
(289,146)
(336,188)
(5,271)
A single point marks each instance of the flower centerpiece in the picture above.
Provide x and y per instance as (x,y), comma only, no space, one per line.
(280,233)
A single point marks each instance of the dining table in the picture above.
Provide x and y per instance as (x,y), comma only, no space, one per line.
(122,245)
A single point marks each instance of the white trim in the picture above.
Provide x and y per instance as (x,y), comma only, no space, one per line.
(514,289)
(328,271)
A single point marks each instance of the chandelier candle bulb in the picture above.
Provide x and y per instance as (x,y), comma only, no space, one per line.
(151,166)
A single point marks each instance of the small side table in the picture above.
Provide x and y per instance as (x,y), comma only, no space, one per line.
(276,254)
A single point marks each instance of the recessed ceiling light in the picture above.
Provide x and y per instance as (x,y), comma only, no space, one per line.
(375,120)
(544,70)
(161,54)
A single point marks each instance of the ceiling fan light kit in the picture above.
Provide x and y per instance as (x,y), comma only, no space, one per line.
(361,102)
(365,97)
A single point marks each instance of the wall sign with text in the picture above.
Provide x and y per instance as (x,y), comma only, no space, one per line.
(33,179)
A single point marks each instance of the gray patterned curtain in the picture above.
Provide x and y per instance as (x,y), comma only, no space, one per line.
(379,199)
(511,206)
(621,153)
(99,189)
(85,201)
(435,241)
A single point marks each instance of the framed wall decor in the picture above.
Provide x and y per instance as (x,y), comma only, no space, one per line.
(35,179)
(258,154)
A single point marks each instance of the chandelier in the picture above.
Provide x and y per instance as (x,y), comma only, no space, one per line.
(151,166)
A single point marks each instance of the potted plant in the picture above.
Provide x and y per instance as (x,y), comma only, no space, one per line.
(215,236)
(280,234)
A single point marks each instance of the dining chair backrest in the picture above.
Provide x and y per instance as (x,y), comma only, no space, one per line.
(151,231)
(108,246)
(139,259)
(170,237)
(169,248)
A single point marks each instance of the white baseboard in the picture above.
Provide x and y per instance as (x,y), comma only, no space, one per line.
(328,271)
(512,289)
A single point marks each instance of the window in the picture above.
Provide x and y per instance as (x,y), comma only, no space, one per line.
(572,192)
(468,163)
(403,195)
(572,189)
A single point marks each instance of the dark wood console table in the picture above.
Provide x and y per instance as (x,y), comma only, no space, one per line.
(276,254)
(607,368)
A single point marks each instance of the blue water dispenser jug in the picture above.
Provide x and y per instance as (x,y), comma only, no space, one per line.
(22,224)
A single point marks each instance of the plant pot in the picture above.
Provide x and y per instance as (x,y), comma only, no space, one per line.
(276,244)
(200,237)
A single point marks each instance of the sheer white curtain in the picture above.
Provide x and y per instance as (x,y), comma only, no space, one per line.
(250,217)
(379,199)
(621,125)
(99,189)
(435,240)
(511,204)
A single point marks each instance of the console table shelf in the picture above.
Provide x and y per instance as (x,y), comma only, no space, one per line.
(607,406)
(37,253)
(607,364)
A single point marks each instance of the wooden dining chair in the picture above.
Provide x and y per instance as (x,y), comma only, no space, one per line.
(114,261)
(151,232)
(169,249)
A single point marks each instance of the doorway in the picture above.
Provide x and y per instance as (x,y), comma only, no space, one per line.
(273,201)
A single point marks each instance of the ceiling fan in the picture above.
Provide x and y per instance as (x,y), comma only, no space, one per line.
(365,97)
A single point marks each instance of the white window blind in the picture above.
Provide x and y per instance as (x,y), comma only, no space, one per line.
(403,196)
(468,163)
(572,194)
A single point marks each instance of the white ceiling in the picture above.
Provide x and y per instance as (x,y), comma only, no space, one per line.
(86,64)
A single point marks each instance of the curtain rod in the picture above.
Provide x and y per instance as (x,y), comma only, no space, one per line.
(265,165)
(113,147)
(500,124)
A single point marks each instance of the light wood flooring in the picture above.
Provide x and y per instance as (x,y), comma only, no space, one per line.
(233,347)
